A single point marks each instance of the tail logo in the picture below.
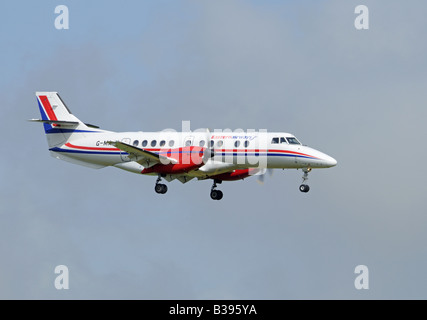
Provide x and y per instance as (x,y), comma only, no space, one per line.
(48,108)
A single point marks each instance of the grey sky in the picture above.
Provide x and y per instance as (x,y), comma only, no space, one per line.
(293,66)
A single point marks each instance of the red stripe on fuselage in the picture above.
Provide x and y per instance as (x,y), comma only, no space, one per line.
(90,148)
(162,151)
(264,150)
(48,108)
(292,152)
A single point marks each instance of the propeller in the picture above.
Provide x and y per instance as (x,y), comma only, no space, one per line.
(261,175)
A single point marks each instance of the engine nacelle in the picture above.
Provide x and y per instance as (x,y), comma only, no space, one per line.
(188,159)
(234,175)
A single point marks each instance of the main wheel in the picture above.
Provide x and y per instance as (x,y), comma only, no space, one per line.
(164,188)
(304,188)
(219,195)
(216,194)
(159,188)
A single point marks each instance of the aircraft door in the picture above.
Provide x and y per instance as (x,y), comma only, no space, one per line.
(123,154)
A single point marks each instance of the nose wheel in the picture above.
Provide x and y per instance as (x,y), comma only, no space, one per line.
(304,187)
(216,194)
(160,187)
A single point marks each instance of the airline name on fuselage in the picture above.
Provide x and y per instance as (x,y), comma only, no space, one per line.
(234,137)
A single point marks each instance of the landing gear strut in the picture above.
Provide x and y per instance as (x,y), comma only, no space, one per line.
(304,187)
(160,187)
(216,194)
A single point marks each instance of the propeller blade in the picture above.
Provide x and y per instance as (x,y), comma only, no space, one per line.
(261,175)
(260,179)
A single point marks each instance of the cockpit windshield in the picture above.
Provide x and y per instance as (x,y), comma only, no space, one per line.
(292,140)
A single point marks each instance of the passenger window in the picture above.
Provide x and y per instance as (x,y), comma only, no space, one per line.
(212,143)
(188,143)
(171,143)
(162,143)
(237,144)
(282,140)
(153,143)
(135,143)
(144,143)
(202,143)
(275,140)
(219,143)
(246,143)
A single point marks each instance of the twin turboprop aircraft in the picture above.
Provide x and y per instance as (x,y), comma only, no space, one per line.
(170,155)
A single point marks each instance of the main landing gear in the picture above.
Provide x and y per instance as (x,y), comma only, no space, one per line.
(304,187)
(160,187)
(216,194)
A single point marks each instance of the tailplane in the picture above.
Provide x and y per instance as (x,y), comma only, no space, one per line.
(59,123)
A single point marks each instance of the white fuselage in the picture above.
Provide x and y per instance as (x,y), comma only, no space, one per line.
(231,150)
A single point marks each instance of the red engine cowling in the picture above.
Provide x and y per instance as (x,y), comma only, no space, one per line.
(234,175)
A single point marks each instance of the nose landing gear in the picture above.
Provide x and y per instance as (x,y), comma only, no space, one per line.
(160,187)
(304,187)
(216,194)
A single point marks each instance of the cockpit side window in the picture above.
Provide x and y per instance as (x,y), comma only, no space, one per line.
(275,140)
(292,140)
(282,140)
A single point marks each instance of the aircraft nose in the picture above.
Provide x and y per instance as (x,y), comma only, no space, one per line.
(330,162)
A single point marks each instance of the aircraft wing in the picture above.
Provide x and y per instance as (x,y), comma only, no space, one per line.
(143,157)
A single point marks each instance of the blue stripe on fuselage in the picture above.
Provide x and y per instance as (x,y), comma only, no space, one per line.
(56,130)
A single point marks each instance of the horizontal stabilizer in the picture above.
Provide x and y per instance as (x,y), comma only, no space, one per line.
(91,126)
(57,123)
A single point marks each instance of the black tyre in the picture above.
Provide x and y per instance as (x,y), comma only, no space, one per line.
(214,194)
(164,188)
(304,188)
(219,195)
(158,188)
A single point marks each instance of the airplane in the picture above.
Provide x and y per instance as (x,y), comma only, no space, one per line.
(202,154)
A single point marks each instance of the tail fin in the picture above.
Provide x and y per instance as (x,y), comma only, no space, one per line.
(59,123)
